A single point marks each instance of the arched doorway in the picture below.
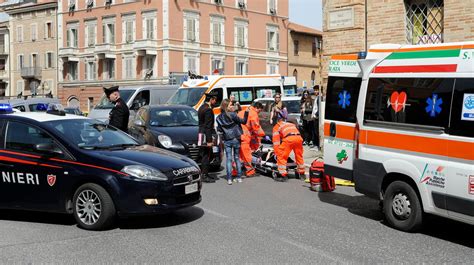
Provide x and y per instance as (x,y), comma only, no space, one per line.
(295,74)
(73,101)
(313,78)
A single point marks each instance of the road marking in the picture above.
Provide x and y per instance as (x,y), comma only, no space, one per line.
(215,213)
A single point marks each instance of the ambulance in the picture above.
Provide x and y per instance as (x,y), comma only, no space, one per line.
(245,88)
(399,122)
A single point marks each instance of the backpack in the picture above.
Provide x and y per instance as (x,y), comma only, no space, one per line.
(318,180)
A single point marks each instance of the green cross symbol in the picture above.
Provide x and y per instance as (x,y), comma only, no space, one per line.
(341,156)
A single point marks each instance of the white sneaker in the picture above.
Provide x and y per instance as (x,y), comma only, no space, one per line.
(239,180)
(229,181)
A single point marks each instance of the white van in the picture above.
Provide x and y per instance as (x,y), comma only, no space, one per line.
(29,104)
(400,124)
(245,88)
(136,97)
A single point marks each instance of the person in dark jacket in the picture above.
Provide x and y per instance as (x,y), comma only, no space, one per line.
(119,114)
(206,131)
(229,125)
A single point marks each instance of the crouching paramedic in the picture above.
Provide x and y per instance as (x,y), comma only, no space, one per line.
(287,138)
(251,132)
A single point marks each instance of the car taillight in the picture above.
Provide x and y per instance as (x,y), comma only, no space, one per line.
(357,133)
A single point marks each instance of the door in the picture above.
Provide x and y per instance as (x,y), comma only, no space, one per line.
(30,180)
(339,127)
(460,182)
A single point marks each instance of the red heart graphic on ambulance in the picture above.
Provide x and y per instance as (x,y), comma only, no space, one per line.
(398,101)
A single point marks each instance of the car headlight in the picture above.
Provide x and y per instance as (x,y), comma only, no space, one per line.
(144,172)
(165,141)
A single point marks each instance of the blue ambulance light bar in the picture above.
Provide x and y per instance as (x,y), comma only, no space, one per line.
(42,107)
(362,55)
(5,108)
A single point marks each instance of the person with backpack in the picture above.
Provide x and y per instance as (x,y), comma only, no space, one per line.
(229,126)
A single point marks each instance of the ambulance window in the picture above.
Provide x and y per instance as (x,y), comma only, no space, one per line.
(342,97)
(462,114)
(220,95)
(416,101)
(24,138)
(243,95)
(266,92)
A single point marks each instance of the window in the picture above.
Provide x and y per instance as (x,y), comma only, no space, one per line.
(342,97)
(217,64)
(23,137)
(314,47)
(241,67)
(49,60)
(242,4)
(2,64)
(216,33)
(34,32)
(48,30)
(72,5)
(34,60)
(142,99)
(19,34)
(191,29)
(295,74)
(20,85)
(296,45)
(150,28)
(108,36)
(191,64)
(21,62)
(244,95)
(72,39)
(91,71)
(72,71)
(89,3)
(128,67)
(109,69)
(313,78)
(266,92)
(462,113)
(149,65)
(91,35)
(416,101)
(272,7)
(424,21)
(273,42)
(272,67)
(129,36)
(240,36)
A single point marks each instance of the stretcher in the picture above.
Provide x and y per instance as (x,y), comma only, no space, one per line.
(264,161)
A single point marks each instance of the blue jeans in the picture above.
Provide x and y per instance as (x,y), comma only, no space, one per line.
(233,145)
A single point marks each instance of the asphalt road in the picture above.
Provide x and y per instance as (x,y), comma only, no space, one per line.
(257,221)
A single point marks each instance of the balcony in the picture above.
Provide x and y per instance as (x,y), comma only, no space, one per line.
(69,54)
(146,47)
(31,72)
(105,51)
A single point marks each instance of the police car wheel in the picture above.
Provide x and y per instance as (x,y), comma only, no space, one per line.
(402,207)
(93,207)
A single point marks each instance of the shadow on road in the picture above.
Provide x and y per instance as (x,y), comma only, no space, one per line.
(163,220)
(434,226)
(37,217)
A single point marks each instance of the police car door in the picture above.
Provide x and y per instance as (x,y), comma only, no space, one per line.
(30,179)
(340,125)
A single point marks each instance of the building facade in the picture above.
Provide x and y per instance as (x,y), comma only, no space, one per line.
(304,55)
(33,49)
(4,56)
(127,42)
(350,26)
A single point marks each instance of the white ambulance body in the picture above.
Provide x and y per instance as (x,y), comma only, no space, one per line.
(245,88)
(400,124)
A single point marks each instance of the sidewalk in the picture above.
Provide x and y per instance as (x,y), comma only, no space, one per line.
(309,155)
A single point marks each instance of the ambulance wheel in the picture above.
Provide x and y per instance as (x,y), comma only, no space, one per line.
(93,207)
(402,207)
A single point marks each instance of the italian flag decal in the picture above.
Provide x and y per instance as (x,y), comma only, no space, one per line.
(420,61)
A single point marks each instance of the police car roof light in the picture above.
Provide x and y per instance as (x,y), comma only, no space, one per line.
(362,55)
(56,109)
(42,107)
(5,108)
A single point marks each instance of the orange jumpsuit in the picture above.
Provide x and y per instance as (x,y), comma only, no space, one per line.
(251,132)
(287,138)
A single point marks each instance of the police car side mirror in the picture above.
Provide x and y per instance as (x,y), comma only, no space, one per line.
(48,148)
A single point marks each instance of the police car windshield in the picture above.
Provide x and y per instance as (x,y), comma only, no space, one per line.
(104,102)
(173,117)
(187,96)
(92,134)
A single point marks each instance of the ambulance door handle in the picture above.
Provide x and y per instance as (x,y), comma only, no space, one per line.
(332,129)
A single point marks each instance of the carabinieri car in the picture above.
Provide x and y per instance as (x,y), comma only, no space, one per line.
(55,162)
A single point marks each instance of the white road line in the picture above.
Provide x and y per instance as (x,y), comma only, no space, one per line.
(215,213)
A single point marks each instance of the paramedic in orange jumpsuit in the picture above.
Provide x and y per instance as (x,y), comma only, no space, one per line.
(287,138)
(252,132)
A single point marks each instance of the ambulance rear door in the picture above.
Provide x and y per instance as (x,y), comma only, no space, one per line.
(340,125)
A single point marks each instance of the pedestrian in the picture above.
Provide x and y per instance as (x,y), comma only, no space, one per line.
(229,125)
(119,115)
(287,138)
(306,117)
(278,107)
(235,104)
(315,116)
(252,132)
(206,132)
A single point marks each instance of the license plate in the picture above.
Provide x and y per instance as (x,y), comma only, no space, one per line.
(190,188)
(215,149)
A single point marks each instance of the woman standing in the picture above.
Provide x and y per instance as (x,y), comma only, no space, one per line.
(228,124)
(308,122)
(278,108)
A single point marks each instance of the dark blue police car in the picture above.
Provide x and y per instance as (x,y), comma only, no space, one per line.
(71,164)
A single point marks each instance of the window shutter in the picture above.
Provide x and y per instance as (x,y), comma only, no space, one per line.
(68,38)
(104,33)
(86,73)
(46,30)
(277,41)
(215,32)
(269,40)
(112,33)
(76,39)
